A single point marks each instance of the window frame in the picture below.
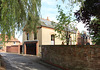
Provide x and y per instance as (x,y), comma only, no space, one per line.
(27,36)
(53,38)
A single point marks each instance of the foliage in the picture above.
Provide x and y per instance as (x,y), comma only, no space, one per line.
(88,10)
(63,26)
(74,1)
(14,15)
(33,17)
(95,30)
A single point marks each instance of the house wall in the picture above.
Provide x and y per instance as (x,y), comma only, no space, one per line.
(82,41)
(78,38)
(31,36)
(73,39)
(24,36)
(10,43)
(46,36)
(39,36)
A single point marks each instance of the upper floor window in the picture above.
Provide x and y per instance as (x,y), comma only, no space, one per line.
(27,36)
(14,43)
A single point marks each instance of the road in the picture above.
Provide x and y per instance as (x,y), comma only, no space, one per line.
(24,62)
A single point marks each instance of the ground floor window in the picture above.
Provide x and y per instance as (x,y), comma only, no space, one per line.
(53,39)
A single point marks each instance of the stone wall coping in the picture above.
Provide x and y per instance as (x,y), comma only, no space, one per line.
(94,46)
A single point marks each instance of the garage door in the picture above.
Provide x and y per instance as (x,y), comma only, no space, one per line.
(31,48)
(12,49)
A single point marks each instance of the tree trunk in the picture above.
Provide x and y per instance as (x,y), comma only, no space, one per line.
(67,38)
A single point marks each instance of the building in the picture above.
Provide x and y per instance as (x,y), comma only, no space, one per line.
(9,45)
(83,39)
(45,36)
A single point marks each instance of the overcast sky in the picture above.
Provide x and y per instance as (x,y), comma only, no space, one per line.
(49,9)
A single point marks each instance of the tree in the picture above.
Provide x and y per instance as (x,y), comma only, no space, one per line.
(95,30)
(14,15)
(89,10)
(31,25)
(63,26)
(33,17)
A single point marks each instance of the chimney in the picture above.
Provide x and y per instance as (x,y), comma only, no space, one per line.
(47,18)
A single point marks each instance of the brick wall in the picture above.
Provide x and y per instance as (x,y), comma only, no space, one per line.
(72,57)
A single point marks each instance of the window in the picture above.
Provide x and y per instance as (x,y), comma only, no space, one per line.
(14,42)
(53,39)
(27,36)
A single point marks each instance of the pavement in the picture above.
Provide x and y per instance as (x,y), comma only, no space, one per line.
(25,62)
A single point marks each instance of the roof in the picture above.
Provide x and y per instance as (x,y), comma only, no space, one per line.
(12,39)
(48,23)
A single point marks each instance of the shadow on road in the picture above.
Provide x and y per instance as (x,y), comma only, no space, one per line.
(21,62)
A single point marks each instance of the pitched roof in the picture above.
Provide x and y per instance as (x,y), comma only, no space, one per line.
(48,23)
(12,39)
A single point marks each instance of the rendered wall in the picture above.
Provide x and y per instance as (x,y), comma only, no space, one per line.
(9,43)
(31,36)
(46,36)
(39,36)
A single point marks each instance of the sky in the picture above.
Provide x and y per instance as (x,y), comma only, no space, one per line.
(49,9)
